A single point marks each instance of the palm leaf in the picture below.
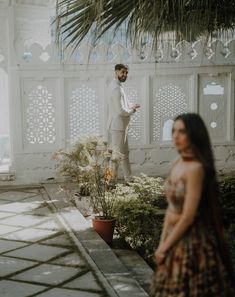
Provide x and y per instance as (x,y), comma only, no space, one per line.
(186,19)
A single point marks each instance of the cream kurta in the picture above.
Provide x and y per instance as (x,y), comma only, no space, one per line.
(119,113)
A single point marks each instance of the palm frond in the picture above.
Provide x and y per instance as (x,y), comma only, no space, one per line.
(186,19)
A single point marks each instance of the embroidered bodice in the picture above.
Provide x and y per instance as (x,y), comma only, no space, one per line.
(175,192)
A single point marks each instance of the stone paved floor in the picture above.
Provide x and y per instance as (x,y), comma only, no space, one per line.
(37,257)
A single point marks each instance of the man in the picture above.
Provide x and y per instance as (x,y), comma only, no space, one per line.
(119,113)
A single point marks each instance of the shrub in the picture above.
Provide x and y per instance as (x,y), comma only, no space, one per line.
(140,225)
(227,190)
(150,190)
(230,239)
(90,165)
(227,199)
(139,215)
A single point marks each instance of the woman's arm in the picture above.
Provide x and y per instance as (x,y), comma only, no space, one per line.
(164,229)
(194,180)
(162,238)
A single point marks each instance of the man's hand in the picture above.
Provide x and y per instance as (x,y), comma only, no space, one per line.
(135,106)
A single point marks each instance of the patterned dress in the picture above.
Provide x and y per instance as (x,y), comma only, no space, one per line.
(193,266)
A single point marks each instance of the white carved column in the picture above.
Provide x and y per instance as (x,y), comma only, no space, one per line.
(5,149)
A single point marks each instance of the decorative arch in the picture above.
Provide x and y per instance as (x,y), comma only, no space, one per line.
(167,130)
(135,126)
(169,101)
(83,113)
(40,117)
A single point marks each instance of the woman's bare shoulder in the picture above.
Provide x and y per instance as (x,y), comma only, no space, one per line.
(195,167)
(175,161)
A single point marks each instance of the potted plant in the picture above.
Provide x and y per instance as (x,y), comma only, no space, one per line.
(91,165)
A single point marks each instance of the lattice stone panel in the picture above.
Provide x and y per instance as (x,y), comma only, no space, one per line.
(168,101)
(83,113)
(213,104)
(135,131)
(3,41)
(40,116)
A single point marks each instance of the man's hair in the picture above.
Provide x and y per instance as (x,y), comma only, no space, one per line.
(120,66)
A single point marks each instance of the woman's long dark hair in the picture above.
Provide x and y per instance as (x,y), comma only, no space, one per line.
(209,204)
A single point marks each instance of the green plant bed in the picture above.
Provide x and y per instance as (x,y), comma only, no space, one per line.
(139,210)
(230,238)
(227,192)
(227,199)
(140,225)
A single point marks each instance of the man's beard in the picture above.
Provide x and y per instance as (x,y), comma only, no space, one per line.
(121,79)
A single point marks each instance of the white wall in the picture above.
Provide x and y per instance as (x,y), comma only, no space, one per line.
(4,103)
(52,99)
(4,96)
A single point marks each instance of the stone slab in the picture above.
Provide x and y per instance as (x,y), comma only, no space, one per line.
(61,240)
(18,207)
(71,260)
(23,220)
(31,235)
(68,293)
(10,265)
(42,211)
(4,215)
(87,234)
(5,230)
(95,244)
(137,266)
(37,252)
(50,225)
(107,261)
(8,245)
(126,286)
(18,289)
(86,281)
(47,274)
(15,195)
(2,202)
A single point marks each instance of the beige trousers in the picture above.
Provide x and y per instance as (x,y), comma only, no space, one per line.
(117,140)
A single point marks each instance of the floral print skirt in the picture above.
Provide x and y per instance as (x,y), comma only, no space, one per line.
(192,268)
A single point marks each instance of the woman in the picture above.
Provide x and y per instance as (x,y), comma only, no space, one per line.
(191,258)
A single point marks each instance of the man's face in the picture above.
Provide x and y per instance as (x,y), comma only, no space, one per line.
(121,75)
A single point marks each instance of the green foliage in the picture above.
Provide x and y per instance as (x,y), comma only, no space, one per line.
(140,225)
(157,19)
(138,213)
(227,199)
(227,191)
(148,190)
(230,239)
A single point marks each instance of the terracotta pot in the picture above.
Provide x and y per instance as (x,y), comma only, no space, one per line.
(104,228)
